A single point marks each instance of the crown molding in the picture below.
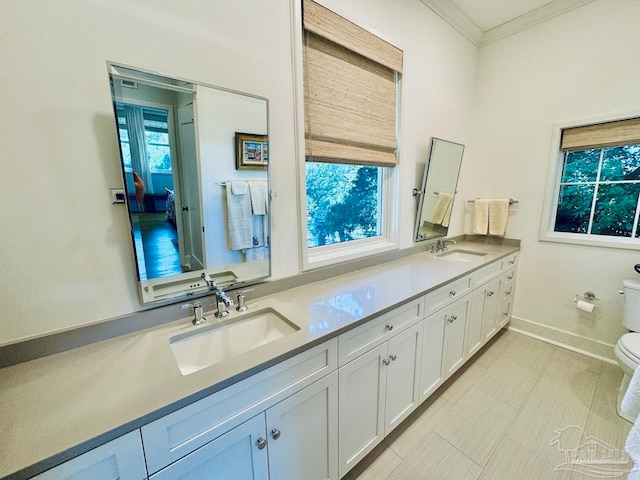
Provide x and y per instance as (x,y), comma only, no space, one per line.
(459,20)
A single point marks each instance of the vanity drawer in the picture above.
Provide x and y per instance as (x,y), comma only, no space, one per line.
(487,273)
(120,458)
(511,261)
(443,296)
(361,339)
(179,433)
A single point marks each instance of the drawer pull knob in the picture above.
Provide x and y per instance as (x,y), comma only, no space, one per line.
(489,294)
(452,318)
(261,443)
(507,293)
(511,277)
(386,361)
(452,293)
(389,327)
(275,433)
(512,262)
(393,357)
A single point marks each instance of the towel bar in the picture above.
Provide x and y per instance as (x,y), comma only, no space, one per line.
(511,201)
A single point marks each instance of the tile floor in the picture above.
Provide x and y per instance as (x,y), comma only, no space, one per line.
(496,419)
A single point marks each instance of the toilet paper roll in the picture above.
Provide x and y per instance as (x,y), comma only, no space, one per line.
(585,306)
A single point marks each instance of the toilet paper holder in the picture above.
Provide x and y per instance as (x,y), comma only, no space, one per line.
(588,296)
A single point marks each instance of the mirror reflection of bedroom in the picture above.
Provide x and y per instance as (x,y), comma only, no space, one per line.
(157,149)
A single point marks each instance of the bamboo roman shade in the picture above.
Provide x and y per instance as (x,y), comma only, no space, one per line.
(623,132)
(349,91)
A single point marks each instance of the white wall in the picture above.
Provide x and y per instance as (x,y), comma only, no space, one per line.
(220,116)
(579,65)
(65,255)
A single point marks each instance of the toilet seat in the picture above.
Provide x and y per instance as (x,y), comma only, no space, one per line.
(629,344)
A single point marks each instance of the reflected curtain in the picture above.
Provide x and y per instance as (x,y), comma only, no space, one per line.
(135,127)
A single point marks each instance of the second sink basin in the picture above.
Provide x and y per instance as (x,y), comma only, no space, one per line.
(213,343)
(459,255)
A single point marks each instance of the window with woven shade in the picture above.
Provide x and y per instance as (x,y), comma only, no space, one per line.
(350,110)
(598,184)
(349,91)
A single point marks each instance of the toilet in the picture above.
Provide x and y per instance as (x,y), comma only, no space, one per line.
(627,348)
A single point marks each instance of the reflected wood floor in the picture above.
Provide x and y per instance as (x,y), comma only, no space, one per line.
(518,410)
(159,242)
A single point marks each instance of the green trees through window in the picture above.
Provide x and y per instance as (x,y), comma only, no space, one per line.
(342,202)
(599,191)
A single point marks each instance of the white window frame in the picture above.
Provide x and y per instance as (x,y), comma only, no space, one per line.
(552,191)
(326,255)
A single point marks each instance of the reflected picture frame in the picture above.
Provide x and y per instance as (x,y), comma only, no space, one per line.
(252,151)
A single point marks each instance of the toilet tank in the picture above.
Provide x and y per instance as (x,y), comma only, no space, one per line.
(631,318)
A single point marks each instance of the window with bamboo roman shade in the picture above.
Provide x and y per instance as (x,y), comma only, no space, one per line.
(623,132)
(598,185)
(349,91)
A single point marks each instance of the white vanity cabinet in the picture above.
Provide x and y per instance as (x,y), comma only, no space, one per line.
(377,390)
(507,293)
(239,454)
(174,437)
(455,326)
(485,308)
(432,366)
(493,300)
(296,438)
(121,458)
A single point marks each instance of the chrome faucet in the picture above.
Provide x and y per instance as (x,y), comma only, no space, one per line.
(222,299)
(441,245)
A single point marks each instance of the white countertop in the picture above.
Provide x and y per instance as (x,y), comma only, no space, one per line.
(78,399)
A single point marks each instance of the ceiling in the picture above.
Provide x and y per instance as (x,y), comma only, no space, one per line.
(485,21)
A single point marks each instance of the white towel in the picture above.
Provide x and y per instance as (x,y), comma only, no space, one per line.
(237,187)
(631,406)
(260,239)
(480,216)
(239,219)
(442,209)
(258,193)
(498,213)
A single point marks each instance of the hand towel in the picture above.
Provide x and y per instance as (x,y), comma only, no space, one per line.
(442,209)
(480,216)
(258,194)
(498,213)
(631,406)
(239,219)
(237,187)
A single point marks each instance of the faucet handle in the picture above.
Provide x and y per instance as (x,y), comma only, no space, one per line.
(195,304)
(241,299)
(198,317)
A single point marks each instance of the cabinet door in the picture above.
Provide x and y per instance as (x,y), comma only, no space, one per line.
(475,333)
(403,379)
(121,458)
(454,331)
(303,433)
(431,370)
(490,294)
(361,401)
(239,454)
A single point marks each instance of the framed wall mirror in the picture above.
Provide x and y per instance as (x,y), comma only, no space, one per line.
(438,189)
(191,209)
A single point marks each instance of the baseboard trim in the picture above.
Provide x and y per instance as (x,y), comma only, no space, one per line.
(561,338)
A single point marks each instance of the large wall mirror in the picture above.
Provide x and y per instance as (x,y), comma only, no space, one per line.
(438,189)
(194,161)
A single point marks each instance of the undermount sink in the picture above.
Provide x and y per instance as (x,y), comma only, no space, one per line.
(458,255)
(213,343)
